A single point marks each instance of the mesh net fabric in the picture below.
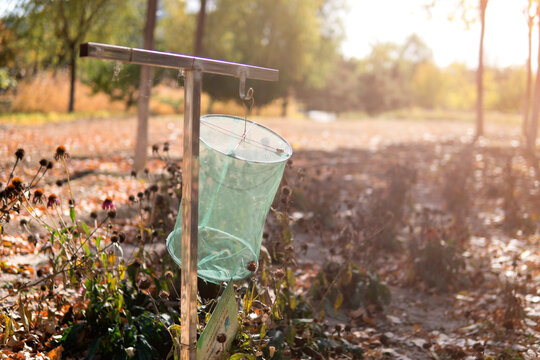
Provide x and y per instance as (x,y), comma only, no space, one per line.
(241,166)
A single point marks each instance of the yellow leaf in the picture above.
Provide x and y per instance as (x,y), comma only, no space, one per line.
(122,271)
(339,301)
(348,276)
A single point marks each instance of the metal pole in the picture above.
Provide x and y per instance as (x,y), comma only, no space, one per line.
(190,213)
(194,67)
(175,61)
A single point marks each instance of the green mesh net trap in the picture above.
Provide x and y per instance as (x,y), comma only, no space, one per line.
(241,166)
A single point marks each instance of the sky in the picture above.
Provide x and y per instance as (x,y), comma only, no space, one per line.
(505,44)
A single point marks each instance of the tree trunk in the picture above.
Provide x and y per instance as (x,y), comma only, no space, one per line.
(147,73)
(284,106)
(200,29)
(130,100)
(533,123)
(210,105)
(527,104)
(73,75)
(480,74)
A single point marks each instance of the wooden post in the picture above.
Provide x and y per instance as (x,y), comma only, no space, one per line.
(190,213)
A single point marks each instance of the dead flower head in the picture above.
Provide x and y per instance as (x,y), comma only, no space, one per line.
(286,191)
(19,154)
(107,204)
(252,266)
(17,182)
(163,295)
(111,214)
(221,338)
(10,191)
(61,153)
(52,201)
(279,274)
(38,196)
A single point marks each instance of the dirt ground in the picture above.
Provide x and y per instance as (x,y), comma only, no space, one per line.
(417,322)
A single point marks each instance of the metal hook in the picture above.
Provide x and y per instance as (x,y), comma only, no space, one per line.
(242,88)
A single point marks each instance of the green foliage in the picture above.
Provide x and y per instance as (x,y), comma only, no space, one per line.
(175,28)
(7,81)
(435,253)
(295,37)
(120,316)
(387,73)
(292,331)
(382,214)
(426,86)
(457,187)
(347,286)
(340,91)
(119,82)
(48,32)
(505,88)
(301,39)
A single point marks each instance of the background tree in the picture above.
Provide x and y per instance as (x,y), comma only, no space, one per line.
(145,87)
(70,21)
(28,42)
(386,75)
(529,13)
(293,36)
(428,85)
(176,28)
(197,48)
(505,89)
(533,123)
(340,92)
(118,81)
(467,10)
(480,73)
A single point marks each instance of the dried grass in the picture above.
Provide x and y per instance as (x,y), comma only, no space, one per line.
(48,92)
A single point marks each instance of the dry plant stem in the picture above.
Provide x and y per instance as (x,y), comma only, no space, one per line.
(175,290)
(41,177)
(69,185)
(90,235)
(68,230)
(277,285)
(158,312)
(246,309)
(32,211)
(12,204)
(341,268)
(56,227)
(61,219)
(50,218)
(35,176)
(13,170)
(63,270)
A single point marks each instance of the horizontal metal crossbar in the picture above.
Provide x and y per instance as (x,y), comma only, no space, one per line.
(175,61)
